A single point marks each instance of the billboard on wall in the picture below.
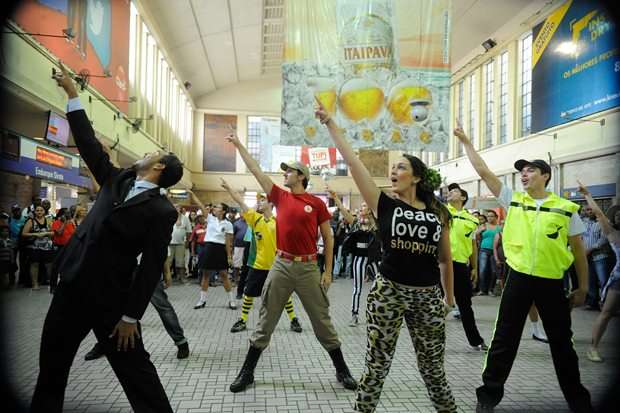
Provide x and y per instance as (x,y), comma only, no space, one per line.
(99,41)
(575,64)
(381,68)
(219,155)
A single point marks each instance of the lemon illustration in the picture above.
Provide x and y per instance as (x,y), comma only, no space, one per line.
(425,137)
(397,137)
(367,135)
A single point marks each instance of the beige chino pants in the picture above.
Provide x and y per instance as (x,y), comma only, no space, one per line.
(303,278)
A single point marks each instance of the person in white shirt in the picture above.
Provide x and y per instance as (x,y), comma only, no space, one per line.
(176,251)
(217,253)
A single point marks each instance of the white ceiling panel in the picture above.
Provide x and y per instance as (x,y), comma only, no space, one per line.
(212,16)
(222,57)
(246,12)
(248,44)
(207,51)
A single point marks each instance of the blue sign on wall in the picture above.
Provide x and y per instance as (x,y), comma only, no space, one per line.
(575,64)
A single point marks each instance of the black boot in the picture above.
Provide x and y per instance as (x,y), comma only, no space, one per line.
(246,375)
(343,375)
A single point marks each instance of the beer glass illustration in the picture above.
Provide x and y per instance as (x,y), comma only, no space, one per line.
(360,99)
(324,89)
(409,102)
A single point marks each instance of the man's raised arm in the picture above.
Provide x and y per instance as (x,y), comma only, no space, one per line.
(263,180)
(91,150)
(492,181)
(235,195)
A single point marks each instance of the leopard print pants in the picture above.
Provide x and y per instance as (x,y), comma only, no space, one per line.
(423,311)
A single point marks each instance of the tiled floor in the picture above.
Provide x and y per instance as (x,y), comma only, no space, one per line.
(294,374)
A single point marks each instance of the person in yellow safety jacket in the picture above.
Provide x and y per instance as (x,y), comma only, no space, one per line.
(464,252)
(538,229)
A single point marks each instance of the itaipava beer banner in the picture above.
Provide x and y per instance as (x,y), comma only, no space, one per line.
(381,68)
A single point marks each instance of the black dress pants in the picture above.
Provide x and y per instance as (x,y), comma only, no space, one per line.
(520,292)
(69,319)
(462,296)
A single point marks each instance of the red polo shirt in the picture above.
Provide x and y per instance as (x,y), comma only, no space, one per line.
(298,219)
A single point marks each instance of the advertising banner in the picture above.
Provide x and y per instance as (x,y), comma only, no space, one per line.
(98,40)
(381,68)
(575,64)
(218,154)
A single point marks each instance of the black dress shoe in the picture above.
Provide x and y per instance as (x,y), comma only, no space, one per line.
(183,351)
(95,353)
(243,380)
(347,381)
(484,408)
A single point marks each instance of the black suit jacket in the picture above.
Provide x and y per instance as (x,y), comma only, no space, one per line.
(100,260)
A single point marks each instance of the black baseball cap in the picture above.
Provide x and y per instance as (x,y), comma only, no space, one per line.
(463,192)
(537,163)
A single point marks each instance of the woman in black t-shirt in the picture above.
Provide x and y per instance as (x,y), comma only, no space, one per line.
(414,234)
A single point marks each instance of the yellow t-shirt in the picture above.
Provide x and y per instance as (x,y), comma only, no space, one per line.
(265,238)
(462,234)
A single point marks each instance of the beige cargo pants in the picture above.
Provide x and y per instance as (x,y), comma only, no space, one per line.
(303,278)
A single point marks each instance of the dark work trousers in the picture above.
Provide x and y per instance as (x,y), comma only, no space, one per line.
(69,319)
(520,292)
(167,314)
(462,295)
(243,274)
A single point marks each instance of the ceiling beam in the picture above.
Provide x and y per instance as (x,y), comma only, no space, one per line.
(232,36)
(202,42)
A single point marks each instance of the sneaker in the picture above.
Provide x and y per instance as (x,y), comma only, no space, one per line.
(480,347)
(295,326)
(456,313)
(200,304)
(481,293)
(594,356)
(354,320)
(232,304)
(239,325)
(540,338)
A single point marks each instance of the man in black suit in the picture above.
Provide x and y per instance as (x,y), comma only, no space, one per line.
(102,288)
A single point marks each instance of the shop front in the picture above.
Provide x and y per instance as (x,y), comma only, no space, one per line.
(31,168)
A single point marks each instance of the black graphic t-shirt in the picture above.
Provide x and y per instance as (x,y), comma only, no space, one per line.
(410,243)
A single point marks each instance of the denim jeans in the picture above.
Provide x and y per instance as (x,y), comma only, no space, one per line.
(597,277)
(486,268)
(167,314)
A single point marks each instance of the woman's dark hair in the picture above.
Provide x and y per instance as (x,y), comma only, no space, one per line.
(61,213)
(305,182)
(225,207)
(492,212)
(426,186)
(172,173)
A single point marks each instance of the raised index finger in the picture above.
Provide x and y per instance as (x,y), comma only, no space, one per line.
(319,102)
(62,67)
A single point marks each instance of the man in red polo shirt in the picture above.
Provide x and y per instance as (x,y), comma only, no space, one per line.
(295,268)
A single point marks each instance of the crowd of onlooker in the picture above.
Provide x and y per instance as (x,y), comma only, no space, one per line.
(32,236)
(30,239)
